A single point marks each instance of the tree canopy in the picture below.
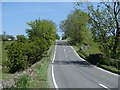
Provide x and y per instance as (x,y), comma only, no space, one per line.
(105,27)
(27,51)
(42,29)
(74,27)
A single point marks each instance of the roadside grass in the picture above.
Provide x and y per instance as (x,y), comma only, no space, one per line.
(94,49)
(40,78)
(110,68)
(23,81)
(6,76)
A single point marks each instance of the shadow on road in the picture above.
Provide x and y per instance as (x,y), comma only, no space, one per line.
(80,63)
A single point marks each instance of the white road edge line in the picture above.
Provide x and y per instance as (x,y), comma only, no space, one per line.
(53,77)
(104,86)
(93,65)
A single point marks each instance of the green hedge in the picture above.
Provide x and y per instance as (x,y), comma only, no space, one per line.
(27,51)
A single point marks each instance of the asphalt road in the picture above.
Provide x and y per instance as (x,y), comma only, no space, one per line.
(70,71)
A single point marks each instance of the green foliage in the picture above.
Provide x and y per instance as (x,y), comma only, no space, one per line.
(42,34)
(64,37)
(95,59)
(74,27)
(0,37)
(21,38)
(42,29)
(24,52)
(111,68)
(57,37)
(4,37)
(40,77)
(11,37)
(17,60)
(0,52)
(36,50)
(23,81)
(105,28)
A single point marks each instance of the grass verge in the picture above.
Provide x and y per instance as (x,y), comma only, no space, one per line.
(110,68)
(41,78)
(93,49)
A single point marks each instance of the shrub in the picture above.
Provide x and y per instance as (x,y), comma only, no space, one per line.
(95,59)
(17,60)
(34,50)
(21,55)
(21,38)
(25,52)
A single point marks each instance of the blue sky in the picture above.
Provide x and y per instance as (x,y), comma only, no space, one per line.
(16,14)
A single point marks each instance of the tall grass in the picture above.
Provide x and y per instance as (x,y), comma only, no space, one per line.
(23,81)
(40,78)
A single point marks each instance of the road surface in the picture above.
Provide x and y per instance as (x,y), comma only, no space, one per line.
(70,71)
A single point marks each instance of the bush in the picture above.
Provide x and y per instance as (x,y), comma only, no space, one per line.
(114,63)
(21,55)
(34,50)
(17,60)
(64,37)
(99,59)
(25,52)
(21,38)
(95,59)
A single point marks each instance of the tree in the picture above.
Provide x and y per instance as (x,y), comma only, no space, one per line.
(116,11)
(64,37)
(24,52)
(21,38)
(42,33)
(105,27)
(11,37)
(4,36)
(43,30)
(57,37)
(74,27)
